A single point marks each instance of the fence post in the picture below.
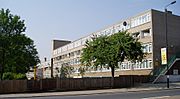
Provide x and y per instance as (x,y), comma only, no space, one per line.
(57,83)
(41,86)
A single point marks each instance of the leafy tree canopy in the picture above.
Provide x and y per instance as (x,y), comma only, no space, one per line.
(107,51)
(66,71)
(17,51)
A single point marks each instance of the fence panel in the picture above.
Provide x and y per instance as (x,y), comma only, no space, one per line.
(33,85)
(48,84)
(11,86)
(8,86)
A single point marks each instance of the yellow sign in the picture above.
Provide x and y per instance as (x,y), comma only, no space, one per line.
(163,56)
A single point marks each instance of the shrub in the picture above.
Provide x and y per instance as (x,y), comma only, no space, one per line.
(8,76)
(13,76)
(20,76)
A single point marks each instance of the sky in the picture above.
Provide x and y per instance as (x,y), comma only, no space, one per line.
(72,19)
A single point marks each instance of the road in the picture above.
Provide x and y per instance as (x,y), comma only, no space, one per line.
(161,94)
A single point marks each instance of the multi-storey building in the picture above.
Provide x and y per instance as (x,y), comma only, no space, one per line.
(149,27)
(43,70)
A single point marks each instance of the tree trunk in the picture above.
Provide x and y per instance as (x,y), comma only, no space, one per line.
(112,80)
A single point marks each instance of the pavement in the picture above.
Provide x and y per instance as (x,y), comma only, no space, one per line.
(140,87)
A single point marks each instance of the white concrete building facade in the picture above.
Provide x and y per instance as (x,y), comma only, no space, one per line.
(148,27)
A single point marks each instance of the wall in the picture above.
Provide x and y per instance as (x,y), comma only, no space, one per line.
(172,78)
(59,43)
(159,35)
(117,73)
(176,66)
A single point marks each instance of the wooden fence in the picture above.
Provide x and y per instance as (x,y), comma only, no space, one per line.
(14,86)
(10,86)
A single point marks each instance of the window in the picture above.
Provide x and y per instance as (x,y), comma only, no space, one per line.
(64,48)
(129,65)
(58,50)
(132,23)
(146,32)
(77,43)
(117,28)
(138,65)
(78,52)
(98,34)
(175,72)
(70,46)
(145,64)
(143,19)
(140,20)
(150,63)
(125,65)
(150,48)
(147,48)
(148,17)
(136,35)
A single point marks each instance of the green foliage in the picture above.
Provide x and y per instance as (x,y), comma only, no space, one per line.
(13,76)
(20,76)
(8,76)
(82,71)
(17,51)
(66,71)
(107,51)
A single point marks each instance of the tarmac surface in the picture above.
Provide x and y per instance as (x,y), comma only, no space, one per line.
(151,94)
(139,88)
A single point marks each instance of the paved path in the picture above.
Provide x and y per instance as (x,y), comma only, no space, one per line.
(151,94)
(143,87)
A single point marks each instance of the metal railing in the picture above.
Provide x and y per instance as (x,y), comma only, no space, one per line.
(162,70)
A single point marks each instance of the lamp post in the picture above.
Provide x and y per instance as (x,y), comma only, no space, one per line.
(166,31)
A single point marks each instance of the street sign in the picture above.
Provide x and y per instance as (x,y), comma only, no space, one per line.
(163,56)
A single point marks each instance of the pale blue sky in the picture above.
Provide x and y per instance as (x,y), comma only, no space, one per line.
(71,19)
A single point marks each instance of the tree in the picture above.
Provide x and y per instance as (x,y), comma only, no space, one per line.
(108,51)
(123,46)
(66,71)
(17,51)
(82,71)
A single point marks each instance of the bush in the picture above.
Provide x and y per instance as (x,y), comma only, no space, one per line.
(13,76)
(8,76)
(20,76)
